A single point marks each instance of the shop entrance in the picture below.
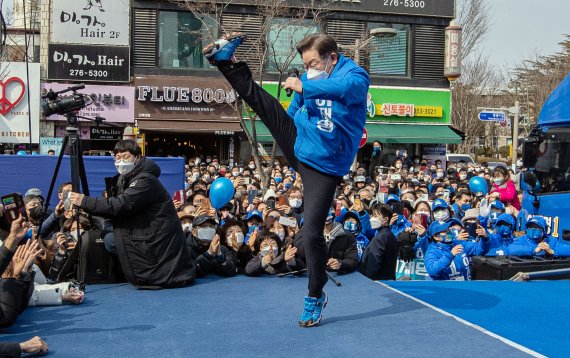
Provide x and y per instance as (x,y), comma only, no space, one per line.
(163,144)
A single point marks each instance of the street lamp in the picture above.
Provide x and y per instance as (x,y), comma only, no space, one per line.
(379,32)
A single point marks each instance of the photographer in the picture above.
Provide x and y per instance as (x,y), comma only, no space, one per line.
(151,245)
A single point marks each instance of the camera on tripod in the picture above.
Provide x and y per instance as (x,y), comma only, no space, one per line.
(55,103)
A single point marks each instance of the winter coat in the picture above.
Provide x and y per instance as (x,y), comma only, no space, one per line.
(379,258)
(508,193)
(222,264)
(329,116)
(151,245)
(442,265)
(523,246)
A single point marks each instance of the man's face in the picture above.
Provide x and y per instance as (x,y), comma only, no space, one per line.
(465,199)
(68,188)
(296,195)
(311,59)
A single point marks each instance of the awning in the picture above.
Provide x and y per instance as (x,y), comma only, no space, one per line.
(189,126)
(388,133)
(263,134)
(412,133)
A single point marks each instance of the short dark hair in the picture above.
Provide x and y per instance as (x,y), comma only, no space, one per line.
(127,146)
(323,43)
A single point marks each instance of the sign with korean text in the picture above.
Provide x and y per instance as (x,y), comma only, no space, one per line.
(15,112)
(114,103)
(107,133)
(184,98)
(89,63)
(104,22)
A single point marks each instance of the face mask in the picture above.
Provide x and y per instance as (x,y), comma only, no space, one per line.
(351,227)
(498,181)
(439,175)
(187,227)
(295,203)
(504,231)
(208,160)
(462,176)
(124,167)
(399,166)
(441,215)
(206,234)
(235,174)
(278,180)
(281,234)
(375,223)
(251,166)
(239,238)
(74,234)
(438,166)
(417,161)
(535,234)
(266,250)
(446,238)
(206,177)
(287,186)
(465,206)
(314,74)
(376,150)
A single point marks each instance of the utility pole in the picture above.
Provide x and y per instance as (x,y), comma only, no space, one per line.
(515,132)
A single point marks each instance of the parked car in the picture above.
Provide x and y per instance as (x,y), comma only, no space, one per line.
(459,158)
(493,165)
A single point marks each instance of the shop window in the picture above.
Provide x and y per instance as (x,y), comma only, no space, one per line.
(283,38)
(182,37)
(389,56)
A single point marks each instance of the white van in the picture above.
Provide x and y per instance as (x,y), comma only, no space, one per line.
(459,158)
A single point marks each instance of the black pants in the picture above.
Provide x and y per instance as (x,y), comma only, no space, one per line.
(319,188)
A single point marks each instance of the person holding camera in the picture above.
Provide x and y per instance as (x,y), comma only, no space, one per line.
(380,256)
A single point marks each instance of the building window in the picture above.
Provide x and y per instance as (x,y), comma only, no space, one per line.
(389,56)
(182,37)
(283,38)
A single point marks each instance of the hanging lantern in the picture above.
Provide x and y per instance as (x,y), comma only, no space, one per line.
(452,66)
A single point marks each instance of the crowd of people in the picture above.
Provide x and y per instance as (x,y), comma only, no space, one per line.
(400,221)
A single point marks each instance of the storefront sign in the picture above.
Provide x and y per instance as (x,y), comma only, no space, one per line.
(47,144)
(84,132)
(89,63)
(90,22)
(452,64)
(114,103)
(106,133)
(15,113)
(187,98)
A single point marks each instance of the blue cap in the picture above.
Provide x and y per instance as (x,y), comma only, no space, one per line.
(437,227)
(507,219)
(537,220)
(253,213)
(497,204)
(454,221)
(351,214)
(392,197)
(439,204)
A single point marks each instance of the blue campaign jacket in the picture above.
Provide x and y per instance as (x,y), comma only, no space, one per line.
(500,246)
(330,117)
(523,246)
(400,225)
(442,265)
(361,244)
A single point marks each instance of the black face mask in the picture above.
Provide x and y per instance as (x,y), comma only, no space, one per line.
(36,214)
(365,201)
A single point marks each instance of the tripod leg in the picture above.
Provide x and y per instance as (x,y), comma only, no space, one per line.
(81,167)
(73,148)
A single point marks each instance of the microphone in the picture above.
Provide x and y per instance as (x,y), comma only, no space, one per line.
(292,73)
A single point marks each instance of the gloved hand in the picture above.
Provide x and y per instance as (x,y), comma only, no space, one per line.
(485,208)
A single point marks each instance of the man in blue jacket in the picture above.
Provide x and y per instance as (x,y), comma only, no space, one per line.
(503,238)
(536,242)
(319,134)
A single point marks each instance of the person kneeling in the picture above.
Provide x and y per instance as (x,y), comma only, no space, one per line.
(206,250)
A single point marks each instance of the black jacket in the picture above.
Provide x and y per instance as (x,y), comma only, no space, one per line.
(374,162)
(222,265)
(14,297)
(240,257)
(380,256)
(340,246)
(151,245)
(278,265)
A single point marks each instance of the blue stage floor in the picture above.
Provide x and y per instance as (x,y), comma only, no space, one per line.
(254,317)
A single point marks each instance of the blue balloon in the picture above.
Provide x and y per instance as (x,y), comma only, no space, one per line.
(221,192)
(478,186)
(22,152)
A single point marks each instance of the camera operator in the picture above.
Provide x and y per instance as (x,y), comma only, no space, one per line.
(151,245)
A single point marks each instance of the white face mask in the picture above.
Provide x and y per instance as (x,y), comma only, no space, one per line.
(281,234)
(206,234)
(462,176)
(251,166)
(124,167)
(239,238)
(295,203)
(441,215)
(439,175)
(265,251)
(74,233)
(375,223)
(186,227)
(314,74)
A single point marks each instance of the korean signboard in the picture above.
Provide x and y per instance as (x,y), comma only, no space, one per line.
(93,22)
(114,103)
(187,98)
(89,63)
(15,113)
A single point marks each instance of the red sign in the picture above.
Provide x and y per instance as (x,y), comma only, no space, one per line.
(8,103)
(364,138)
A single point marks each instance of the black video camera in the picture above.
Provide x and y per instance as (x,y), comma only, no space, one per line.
(54,103)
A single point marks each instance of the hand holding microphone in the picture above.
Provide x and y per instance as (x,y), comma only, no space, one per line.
(293,83)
